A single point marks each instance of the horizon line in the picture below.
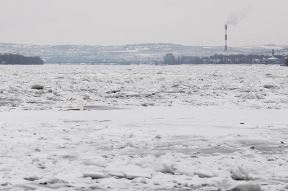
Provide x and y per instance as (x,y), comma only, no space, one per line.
(131,44)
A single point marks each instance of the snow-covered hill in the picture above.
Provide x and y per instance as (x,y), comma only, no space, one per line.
(126,54)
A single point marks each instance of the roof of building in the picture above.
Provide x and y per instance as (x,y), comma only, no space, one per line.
(273,58)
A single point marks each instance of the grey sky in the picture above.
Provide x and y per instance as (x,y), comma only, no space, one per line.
(106,22)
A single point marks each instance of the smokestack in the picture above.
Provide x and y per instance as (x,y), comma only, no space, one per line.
(273,53)
(226,37)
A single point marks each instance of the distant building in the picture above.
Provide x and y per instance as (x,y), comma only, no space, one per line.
(224,59)
(272,59)
(190,60)
(170,59)
(286,61)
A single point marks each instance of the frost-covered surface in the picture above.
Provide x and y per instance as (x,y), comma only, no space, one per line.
(256,86)
(143,127)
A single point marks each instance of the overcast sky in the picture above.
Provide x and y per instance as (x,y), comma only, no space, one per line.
(106,22)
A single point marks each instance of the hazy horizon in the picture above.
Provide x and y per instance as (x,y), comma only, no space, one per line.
(111,22)
(192,45)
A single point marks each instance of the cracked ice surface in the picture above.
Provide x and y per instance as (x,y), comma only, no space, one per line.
(65,86)
(202,127)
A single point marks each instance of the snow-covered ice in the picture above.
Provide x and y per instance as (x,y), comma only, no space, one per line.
(68,86)
(204,127)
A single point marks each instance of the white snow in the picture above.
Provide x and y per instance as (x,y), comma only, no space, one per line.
(158,127)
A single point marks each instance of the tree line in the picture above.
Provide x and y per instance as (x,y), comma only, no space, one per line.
(17,59)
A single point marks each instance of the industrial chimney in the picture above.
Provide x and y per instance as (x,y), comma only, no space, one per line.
(226,37)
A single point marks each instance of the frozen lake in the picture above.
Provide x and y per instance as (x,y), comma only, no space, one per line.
(67,86)
(202,127)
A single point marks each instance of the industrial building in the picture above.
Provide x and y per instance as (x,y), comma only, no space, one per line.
(170,59)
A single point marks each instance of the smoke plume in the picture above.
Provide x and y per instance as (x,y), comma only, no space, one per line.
(235,18)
